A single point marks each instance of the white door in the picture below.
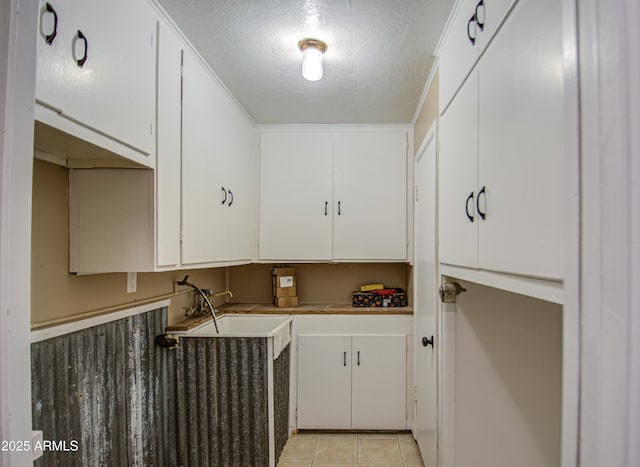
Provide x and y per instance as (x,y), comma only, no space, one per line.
(379,382)
(426,301)
(296,200)
(458,169)
(324,381)
(370,201)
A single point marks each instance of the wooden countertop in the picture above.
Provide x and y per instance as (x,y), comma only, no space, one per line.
(267,309)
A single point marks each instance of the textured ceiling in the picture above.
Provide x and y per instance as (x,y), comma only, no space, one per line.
(379,54)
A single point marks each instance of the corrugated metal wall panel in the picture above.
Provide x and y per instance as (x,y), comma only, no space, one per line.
(108,388)
(281,399)
(222,406)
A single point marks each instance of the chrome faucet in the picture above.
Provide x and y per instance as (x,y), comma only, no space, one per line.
(186,282)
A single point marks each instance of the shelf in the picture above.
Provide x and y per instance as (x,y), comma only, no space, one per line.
(550,291)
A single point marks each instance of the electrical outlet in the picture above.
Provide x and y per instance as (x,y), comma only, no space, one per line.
(132,282)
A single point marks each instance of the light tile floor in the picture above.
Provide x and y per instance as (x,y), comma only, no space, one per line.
(350,450)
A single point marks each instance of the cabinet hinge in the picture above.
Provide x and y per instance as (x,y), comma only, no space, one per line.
(415,394)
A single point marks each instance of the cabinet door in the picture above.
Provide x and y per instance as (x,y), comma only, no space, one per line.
(521,157)
(205,147)
(458,178)
(296,200)
(238,233)
(169,76)
(458,53)
(114,91)
(370,196)
(379,382)
(489,13)
(54,37)
(324,381)
(110,220)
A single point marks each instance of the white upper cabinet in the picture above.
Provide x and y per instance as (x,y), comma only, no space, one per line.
(169,79)
(502,152)
(521,144)
(54,37)
(458,174)
(340,196)
(296,198)
(96,77)
(370,197)
(218,197)
(471,30)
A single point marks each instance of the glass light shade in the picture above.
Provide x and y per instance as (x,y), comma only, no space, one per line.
(312,64)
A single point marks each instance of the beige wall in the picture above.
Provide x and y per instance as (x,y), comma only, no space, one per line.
(428,113)
(316,283)
(56,294)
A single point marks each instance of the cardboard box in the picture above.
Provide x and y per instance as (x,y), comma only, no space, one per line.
(285,292)
(286,302)
(284,277)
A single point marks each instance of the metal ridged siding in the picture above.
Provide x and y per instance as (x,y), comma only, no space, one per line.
(281,399)
(222,406)
(107,388)
(128,402)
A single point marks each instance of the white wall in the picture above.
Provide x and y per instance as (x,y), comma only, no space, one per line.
(18,22)
(508,379)
(610,270)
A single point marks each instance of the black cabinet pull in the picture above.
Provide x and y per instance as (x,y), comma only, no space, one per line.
(471,38)
(481,192)
(478,22)
(224,200)
(469,198)
(231,200)
(358,358)
(81,61)
(345,359)
(339,213)
(326,206)
(50,37)
(427,341)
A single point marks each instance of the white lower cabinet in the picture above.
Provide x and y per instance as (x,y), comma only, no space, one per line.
(350,381)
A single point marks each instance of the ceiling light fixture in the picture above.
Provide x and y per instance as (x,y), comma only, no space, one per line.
(312,51)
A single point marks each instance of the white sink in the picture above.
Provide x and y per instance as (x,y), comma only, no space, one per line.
(241,325)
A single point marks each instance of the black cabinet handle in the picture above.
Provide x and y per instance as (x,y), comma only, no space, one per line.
(224,200)
(231,200)
(478,22)
(345,359)
(469,198)
(358,358)
(50,37)
(481,192)
(471,38)
(326,206)
(339,213)
(426,341)
(81,61)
